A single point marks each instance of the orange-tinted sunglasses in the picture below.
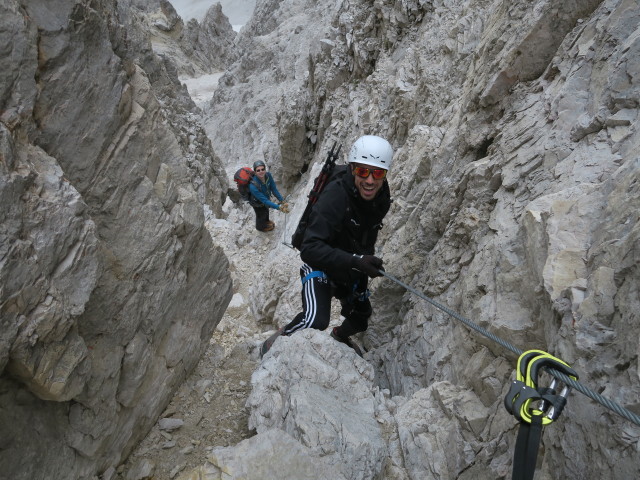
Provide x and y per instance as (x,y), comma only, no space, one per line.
(378,173)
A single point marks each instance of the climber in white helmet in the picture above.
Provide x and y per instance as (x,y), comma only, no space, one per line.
(339,243)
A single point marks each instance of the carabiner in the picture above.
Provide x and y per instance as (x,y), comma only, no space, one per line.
(550,390)
(557,407)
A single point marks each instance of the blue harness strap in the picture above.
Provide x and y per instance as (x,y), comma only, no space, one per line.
(360,296)
(313,274)
(364,295)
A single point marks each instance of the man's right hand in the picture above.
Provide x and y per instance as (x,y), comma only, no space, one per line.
(367,264)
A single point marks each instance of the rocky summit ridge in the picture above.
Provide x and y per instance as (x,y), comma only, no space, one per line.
(516,203)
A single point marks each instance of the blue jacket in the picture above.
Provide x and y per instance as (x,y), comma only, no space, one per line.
(263,191)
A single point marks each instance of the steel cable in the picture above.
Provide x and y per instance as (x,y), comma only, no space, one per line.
(620,410)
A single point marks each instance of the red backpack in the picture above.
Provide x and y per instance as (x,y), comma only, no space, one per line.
(243,177)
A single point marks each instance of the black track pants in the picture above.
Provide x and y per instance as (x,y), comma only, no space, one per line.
(317,293)
(262,217)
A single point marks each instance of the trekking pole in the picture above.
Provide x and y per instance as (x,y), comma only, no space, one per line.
(284,233)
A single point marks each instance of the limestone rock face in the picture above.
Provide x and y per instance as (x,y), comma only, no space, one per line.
(212,41)
(516,200)
(321,393)
(515,126)
(271,454)
(195,48)
(110,285)
(269,90)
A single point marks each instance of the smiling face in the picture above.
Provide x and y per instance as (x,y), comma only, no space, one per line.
(367,187)
(261,172)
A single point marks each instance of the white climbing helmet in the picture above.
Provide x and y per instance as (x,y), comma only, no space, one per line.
(372,150)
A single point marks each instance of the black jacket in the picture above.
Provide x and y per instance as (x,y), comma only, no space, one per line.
(343,223)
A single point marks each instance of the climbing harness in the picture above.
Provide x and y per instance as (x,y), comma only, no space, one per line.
(520,402)
(313,274)
(360,296)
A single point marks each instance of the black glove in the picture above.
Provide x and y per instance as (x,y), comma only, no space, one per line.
(368,264)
